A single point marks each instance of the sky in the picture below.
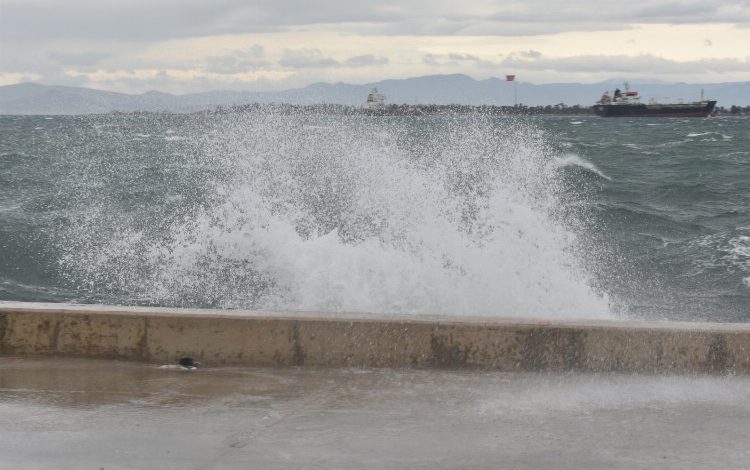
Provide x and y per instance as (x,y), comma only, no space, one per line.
(183,46)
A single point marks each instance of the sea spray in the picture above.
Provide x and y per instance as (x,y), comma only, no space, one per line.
(451,214)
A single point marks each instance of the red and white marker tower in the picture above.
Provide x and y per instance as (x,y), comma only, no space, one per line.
(512,78)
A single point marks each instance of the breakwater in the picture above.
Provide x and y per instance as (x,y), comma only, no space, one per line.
(247,338)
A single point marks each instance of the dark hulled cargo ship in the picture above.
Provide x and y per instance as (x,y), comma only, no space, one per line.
(628,104)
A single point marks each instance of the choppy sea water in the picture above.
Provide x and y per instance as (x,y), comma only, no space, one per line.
(542,216)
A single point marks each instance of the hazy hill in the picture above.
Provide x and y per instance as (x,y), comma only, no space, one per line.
(32,98)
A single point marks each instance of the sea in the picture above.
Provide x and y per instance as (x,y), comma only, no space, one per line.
(461,214)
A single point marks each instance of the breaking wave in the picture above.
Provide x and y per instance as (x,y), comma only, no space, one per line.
(573,160)
(335,213)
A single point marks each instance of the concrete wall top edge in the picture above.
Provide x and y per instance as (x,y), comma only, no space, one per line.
(446,320)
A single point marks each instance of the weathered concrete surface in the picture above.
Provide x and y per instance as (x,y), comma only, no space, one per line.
(61,413)
(317,339)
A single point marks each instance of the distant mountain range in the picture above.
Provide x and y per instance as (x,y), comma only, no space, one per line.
(33,98)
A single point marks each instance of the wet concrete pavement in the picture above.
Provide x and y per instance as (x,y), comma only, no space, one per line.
(82,413)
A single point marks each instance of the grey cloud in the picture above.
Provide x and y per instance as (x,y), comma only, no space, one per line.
(453,59)
(306,58)
(238,61)
(463,57)
(314,58)
(530,54)
(448,59)
(614,11)
(535,17)
(57,77)
(76,58)
(644,64)
(142,20)
(483,27)
(365,60)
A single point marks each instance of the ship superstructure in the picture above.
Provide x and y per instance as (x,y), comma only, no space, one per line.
(375,100)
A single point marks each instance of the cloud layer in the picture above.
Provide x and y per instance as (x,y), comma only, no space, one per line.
(191,45)
(141,20)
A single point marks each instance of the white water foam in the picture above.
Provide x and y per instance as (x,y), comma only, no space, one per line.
(362,215)
(738,254)
(734,253)
(708,136)
(586,394)
(571,159)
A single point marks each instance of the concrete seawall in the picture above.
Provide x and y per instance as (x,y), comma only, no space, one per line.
(220,338)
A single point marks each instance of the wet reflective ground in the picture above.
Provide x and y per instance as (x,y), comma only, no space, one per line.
(76,413)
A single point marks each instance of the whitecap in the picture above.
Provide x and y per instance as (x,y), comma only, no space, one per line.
(572,159)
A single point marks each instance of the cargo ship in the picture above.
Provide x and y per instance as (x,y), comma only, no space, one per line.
(628,104)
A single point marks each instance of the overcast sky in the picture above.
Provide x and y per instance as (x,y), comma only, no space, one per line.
(188,45)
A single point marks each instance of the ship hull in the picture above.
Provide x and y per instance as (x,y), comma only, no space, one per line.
(701,109)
